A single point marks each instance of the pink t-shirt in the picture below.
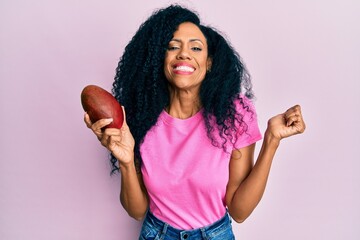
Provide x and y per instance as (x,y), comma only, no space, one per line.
(185,175)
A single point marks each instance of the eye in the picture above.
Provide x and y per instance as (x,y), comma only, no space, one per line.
(172,48)
(196,49)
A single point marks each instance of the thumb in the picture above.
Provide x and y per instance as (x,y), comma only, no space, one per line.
(124,114)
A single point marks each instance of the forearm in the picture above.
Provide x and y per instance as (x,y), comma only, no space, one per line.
(251,190)
(132,196)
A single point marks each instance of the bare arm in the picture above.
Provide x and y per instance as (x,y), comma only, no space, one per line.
(120,143)
(133,194)
(247,183)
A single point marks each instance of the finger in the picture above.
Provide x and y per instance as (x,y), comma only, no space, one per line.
(291,120)
(104,139)
(87,120)
(300,125)
(110,142)
(98,125)
(89,124)
(293,111)
(291,114)
(112,131)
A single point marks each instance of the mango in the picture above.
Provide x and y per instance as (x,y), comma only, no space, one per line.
(99,104)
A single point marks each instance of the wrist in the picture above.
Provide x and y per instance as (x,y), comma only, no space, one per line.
(271,140)
(126,165)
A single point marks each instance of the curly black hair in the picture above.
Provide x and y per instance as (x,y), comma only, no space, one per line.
(141,86)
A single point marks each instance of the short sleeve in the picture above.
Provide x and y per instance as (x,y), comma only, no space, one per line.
(249,132)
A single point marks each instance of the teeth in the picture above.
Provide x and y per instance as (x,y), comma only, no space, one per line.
(184,68)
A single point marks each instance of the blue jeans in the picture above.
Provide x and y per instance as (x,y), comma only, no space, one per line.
(155,229)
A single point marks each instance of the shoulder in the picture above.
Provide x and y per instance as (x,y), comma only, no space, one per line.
(244,105)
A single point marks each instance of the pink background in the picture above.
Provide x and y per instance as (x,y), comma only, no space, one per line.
(54,175)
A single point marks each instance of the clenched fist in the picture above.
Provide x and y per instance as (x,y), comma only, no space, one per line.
(286,124)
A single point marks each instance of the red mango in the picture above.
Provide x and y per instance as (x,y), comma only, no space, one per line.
(99,104)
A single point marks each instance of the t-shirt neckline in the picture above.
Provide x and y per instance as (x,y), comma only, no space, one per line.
(167,118)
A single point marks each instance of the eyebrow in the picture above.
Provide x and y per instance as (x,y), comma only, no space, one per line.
(191,40)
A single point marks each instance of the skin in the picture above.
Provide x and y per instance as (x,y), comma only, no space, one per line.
(247,181)
(188,48)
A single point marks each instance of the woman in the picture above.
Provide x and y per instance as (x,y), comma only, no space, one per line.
(186,149)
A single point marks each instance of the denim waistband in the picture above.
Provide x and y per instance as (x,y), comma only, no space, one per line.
(208,232)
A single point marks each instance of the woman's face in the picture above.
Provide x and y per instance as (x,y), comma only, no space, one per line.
(186,59)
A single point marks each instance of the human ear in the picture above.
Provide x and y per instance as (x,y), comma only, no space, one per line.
(208,64)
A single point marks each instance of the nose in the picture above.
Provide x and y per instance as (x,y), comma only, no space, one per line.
(183,54)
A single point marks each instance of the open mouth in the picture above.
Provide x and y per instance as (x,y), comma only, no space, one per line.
(182,68)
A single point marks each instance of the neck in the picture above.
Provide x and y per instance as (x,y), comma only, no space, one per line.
(183,104)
